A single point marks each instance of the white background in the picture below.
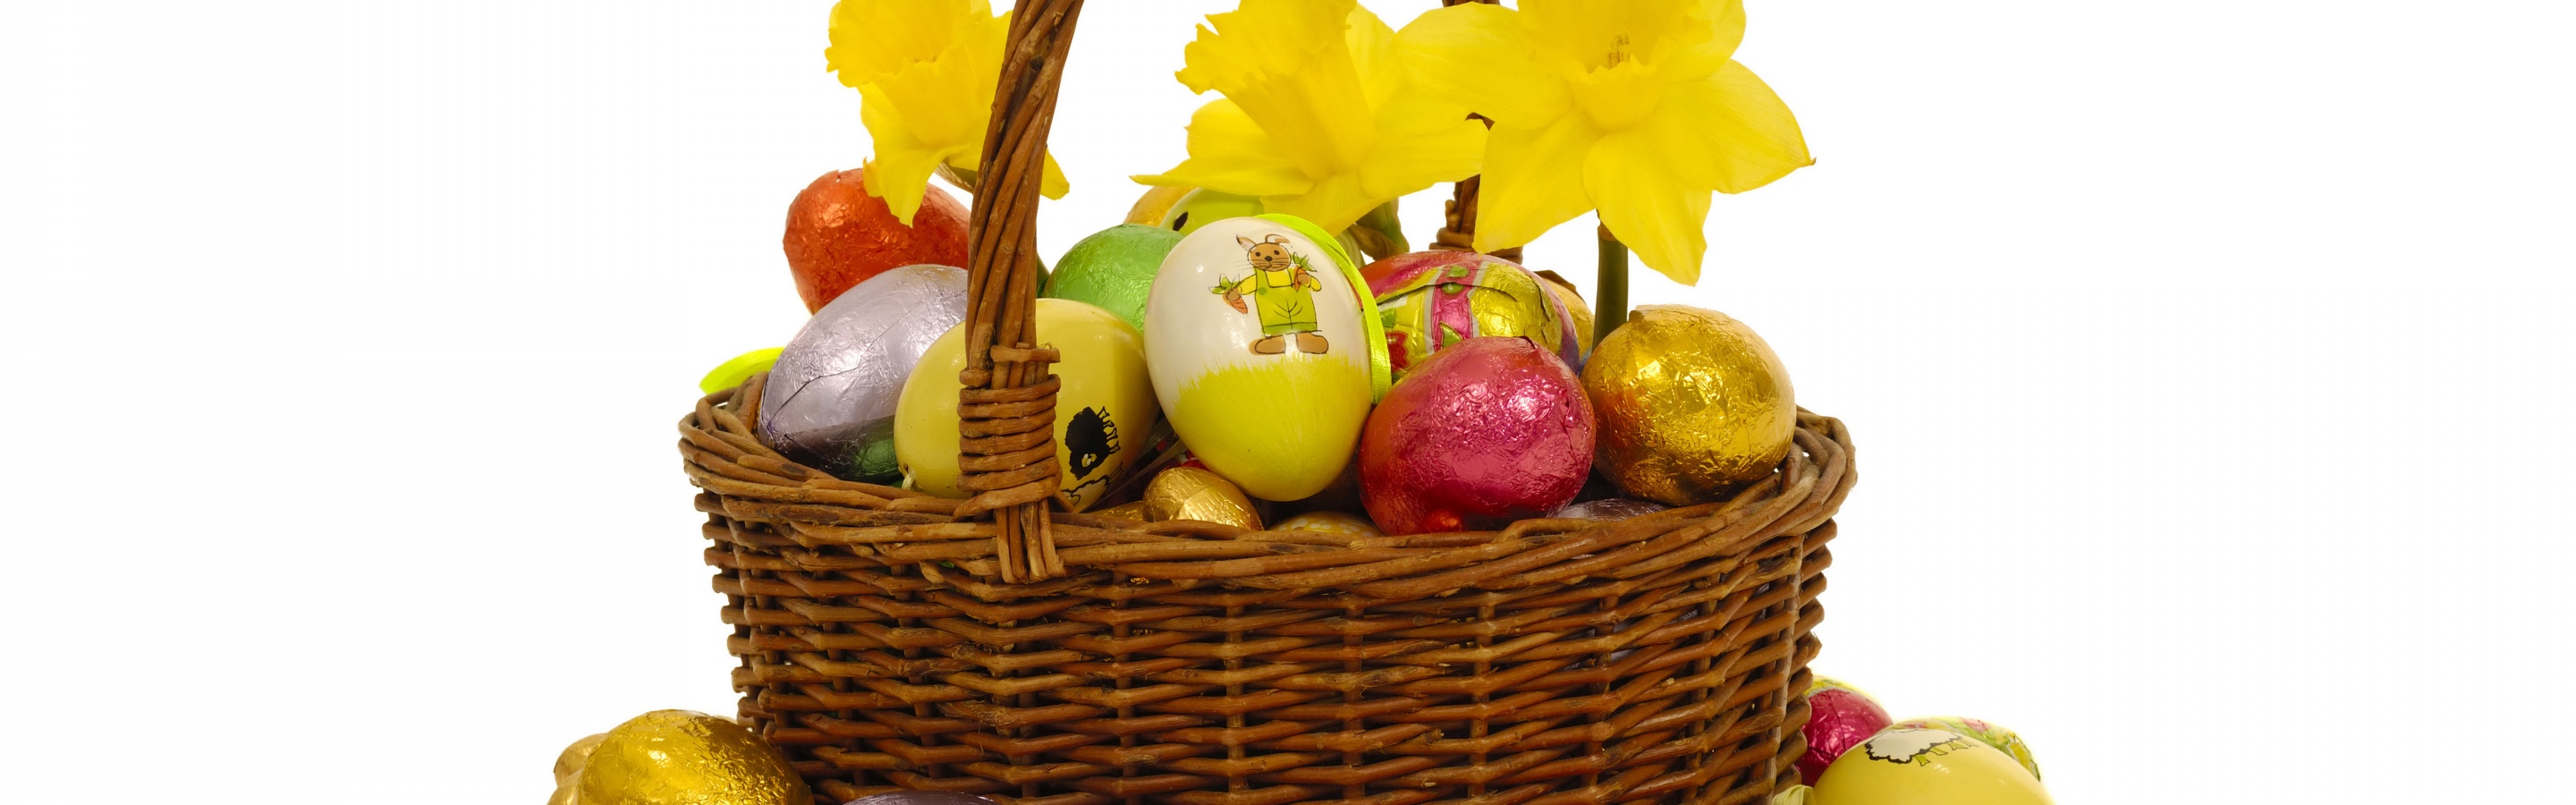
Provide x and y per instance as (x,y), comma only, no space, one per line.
(2208,362)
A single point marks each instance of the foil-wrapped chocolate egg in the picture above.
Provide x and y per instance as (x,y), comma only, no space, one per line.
(1986,732)
(1330,522)
(1926,767)
(839,236)
(1487,431)
(1839,718)
(1189,493)
(1574,306)
(1693,405)
(1432,299)
(677,757)
(830,401)
(920,798)
(1113,269)
(1610,509)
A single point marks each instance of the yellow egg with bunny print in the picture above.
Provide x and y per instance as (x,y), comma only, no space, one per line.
(1260,355)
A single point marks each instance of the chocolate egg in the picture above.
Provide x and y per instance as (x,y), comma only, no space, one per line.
(1156,204)
(569,762)
(1926,767)
(839,236)
(1330,522)
(1430,300)
(1188,493)
(1693,405)
(1487,431)
(920,798)
(1113,269)
(1839,717)
(830,402)
(1610,509)
(1986,732)
(1260,356)
(1575,307)
(676,757)
(1103,409)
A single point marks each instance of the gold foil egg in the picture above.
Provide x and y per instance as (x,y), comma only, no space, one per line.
(569,763)
(1692,405)
(1135,511)
(1330,522)
(677,757)
(1190,493)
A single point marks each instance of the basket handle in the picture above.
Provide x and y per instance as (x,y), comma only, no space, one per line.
(1006,412)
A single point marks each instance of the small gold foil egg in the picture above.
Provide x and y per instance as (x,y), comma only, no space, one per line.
(677,757)
(1135,511)
(1190,493)
(1692,405)
(1330,522)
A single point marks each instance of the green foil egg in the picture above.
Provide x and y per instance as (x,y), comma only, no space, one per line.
(1113,269)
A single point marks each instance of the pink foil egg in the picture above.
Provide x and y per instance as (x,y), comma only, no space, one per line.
(1840,717)
(1482,433)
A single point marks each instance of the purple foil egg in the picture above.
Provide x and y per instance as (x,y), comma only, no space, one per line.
(830,400)
(1485,432)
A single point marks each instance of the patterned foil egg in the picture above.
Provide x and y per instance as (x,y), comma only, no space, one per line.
(1839,717)
(1260,355)
(1693,405)
(1103,410)
(1430,300)
(677,757)
(1986,732)
(1487,431)
(1926,767)
(830,401)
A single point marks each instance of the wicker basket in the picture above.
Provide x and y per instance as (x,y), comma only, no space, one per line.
(894,640)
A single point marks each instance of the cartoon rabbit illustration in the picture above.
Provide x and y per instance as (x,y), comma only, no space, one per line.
(1283,288)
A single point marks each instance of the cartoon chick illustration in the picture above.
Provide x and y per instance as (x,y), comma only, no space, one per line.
(1283,287)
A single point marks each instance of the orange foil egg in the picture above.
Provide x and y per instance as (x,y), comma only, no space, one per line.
(838,236)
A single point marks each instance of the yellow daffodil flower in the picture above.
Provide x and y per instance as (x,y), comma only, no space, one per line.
(1319,119)
(925,71)
(1637,109)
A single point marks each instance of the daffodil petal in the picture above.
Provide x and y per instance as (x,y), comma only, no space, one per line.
(1333,204)
(1534,180)
(1426,142)
(871,39)
(900,174)
(1749,136)
(1231,153)
(1648,206)
(1475,54)
(1372,47)
(1051,184)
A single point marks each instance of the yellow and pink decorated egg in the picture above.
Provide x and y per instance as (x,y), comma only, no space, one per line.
(1431,300)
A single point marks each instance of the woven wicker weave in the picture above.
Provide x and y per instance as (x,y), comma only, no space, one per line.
(890,639)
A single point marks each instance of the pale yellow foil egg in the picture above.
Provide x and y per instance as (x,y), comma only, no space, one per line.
(1692,405)
(1190,493)
(677,757)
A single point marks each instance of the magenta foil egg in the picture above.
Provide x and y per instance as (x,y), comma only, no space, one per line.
(1839,717)
(1484,432)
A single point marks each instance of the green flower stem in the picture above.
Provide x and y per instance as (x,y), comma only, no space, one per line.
(1610,296)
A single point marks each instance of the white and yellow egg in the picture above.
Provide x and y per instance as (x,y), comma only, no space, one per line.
(1260,355)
